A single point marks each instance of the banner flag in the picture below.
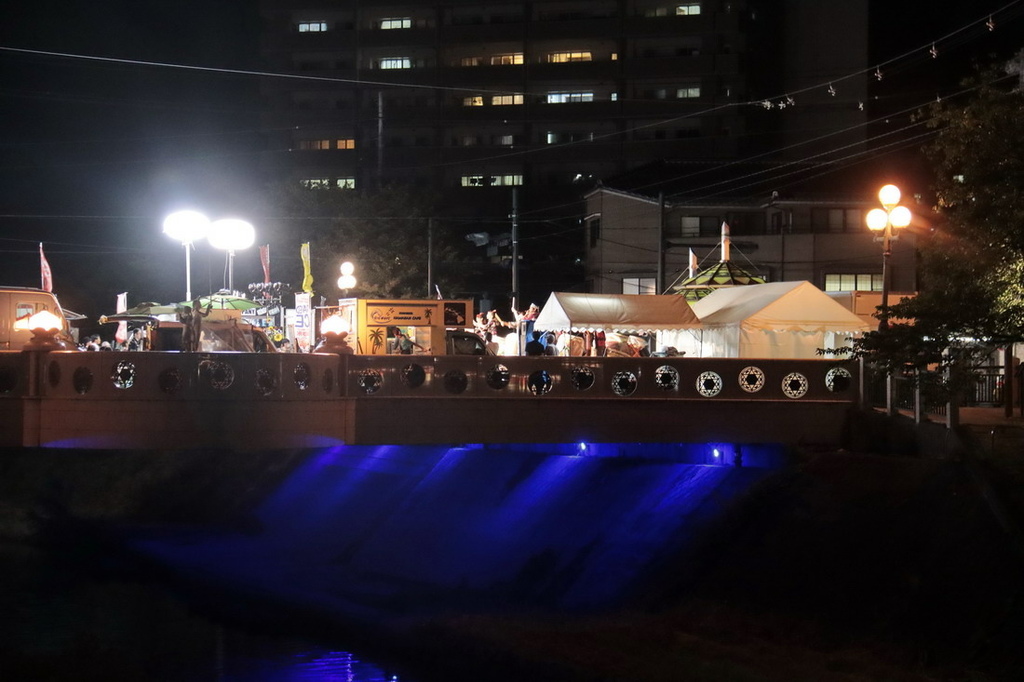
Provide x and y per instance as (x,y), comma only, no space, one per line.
(121,335)
(265,260)
(45,274)
(307,278)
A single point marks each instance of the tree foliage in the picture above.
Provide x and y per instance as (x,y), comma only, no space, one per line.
(384,234)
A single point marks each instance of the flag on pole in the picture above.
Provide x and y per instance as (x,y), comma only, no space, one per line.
(265,260)
(45,274)
(121,335)
(307,278)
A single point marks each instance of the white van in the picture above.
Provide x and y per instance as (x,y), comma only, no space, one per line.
(20,303)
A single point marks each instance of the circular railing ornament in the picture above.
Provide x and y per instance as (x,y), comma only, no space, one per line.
(624,383)
(709,384)
(838,380)
(413,375)
(219,374)
(266,382)
(582,378)
(498,377)
(539,382)
(170,380)
(751,379)
(455,381)
(666,378)
(795,385)
(123,375)
(301,376)
(370,381)
(82,380)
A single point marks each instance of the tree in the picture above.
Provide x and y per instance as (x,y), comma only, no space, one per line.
(385,234)
(971,295)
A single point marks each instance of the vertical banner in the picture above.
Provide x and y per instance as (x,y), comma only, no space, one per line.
(265,260)
(45,274)
(121,335)
(303,322)
(307,277)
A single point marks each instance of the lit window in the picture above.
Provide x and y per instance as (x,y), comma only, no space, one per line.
(314,144)
(615,97)
(615,56)
(656,12)
(396,63)
(504,140)
(638,285)
(506,180)
(471,61)
(345,183)
(403,22)
(691,92)
(472,181)
(513,59)
(566,97)
(316,183)
(477,101)
(312,26)
(551,138)
(853,282)
(687,10)
(504,100)
(563,57)
(347,143)
(469,140)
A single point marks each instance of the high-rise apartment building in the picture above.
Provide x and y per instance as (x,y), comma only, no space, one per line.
(472,98)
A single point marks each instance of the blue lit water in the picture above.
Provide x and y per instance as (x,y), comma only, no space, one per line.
(60,621)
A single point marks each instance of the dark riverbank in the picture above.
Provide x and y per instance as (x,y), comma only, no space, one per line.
(835,567)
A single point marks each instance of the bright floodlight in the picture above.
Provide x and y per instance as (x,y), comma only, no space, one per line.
(900,216)
(346,282)
(186,226)
(877,219)
(347,268)
(889,196)
(231,234)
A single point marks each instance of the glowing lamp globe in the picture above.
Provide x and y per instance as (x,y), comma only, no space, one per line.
(347,268)
(335,324)
(186,226)
(877,219)
(231,234)
(900,216)
(346,282)
(889,196)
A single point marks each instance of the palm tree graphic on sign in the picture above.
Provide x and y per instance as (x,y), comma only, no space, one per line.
(376,339)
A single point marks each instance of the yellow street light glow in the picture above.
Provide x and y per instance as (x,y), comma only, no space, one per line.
(347,268)
(335,324)
(900,216)
(877,219)
(889,196)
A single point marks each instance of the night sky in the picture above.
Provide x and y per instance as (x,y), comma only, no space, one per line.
(96,153)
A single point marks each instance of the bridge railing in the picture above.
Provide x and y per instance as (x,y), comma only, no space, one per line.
(294,376)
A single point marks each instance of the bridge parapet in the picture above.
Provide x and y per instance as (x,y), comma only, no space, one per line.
(234,400)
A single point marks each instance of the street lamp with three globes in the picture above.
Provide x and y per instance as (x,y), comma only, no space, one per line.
(884,220)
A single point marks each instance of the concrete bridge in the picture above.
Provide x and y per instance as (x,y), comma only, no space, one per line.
(157,400)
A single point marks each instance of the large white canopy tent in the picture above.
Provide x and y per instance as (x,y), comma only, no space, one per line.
(624,313)
(774,320)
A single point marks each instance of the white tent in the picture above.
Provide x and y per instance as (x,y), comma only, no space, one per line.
(626,313)
(774,320)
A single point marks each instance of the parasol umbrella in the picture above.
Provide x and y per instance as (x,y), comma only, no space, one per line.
(224,302)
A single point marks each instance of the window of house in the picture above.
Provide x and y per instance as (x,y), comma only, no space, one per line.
(395,63)
(687,10)
(316,183)
(514,58)
(402,22)
(594,231)
(638,285)
(346,143)
(564,57)
(505,100)
(471,61)
(853,282)
(314,144)
(503,140)
(567,97)
(836,220)
(476,101)
(473,181)
(312,26)
(345,183)
(615,97)
(688,92)
(689,226)
(469,141)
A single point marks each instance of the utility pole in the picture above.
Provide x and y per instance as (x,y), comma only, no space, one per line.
(659,282)
(515,246)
